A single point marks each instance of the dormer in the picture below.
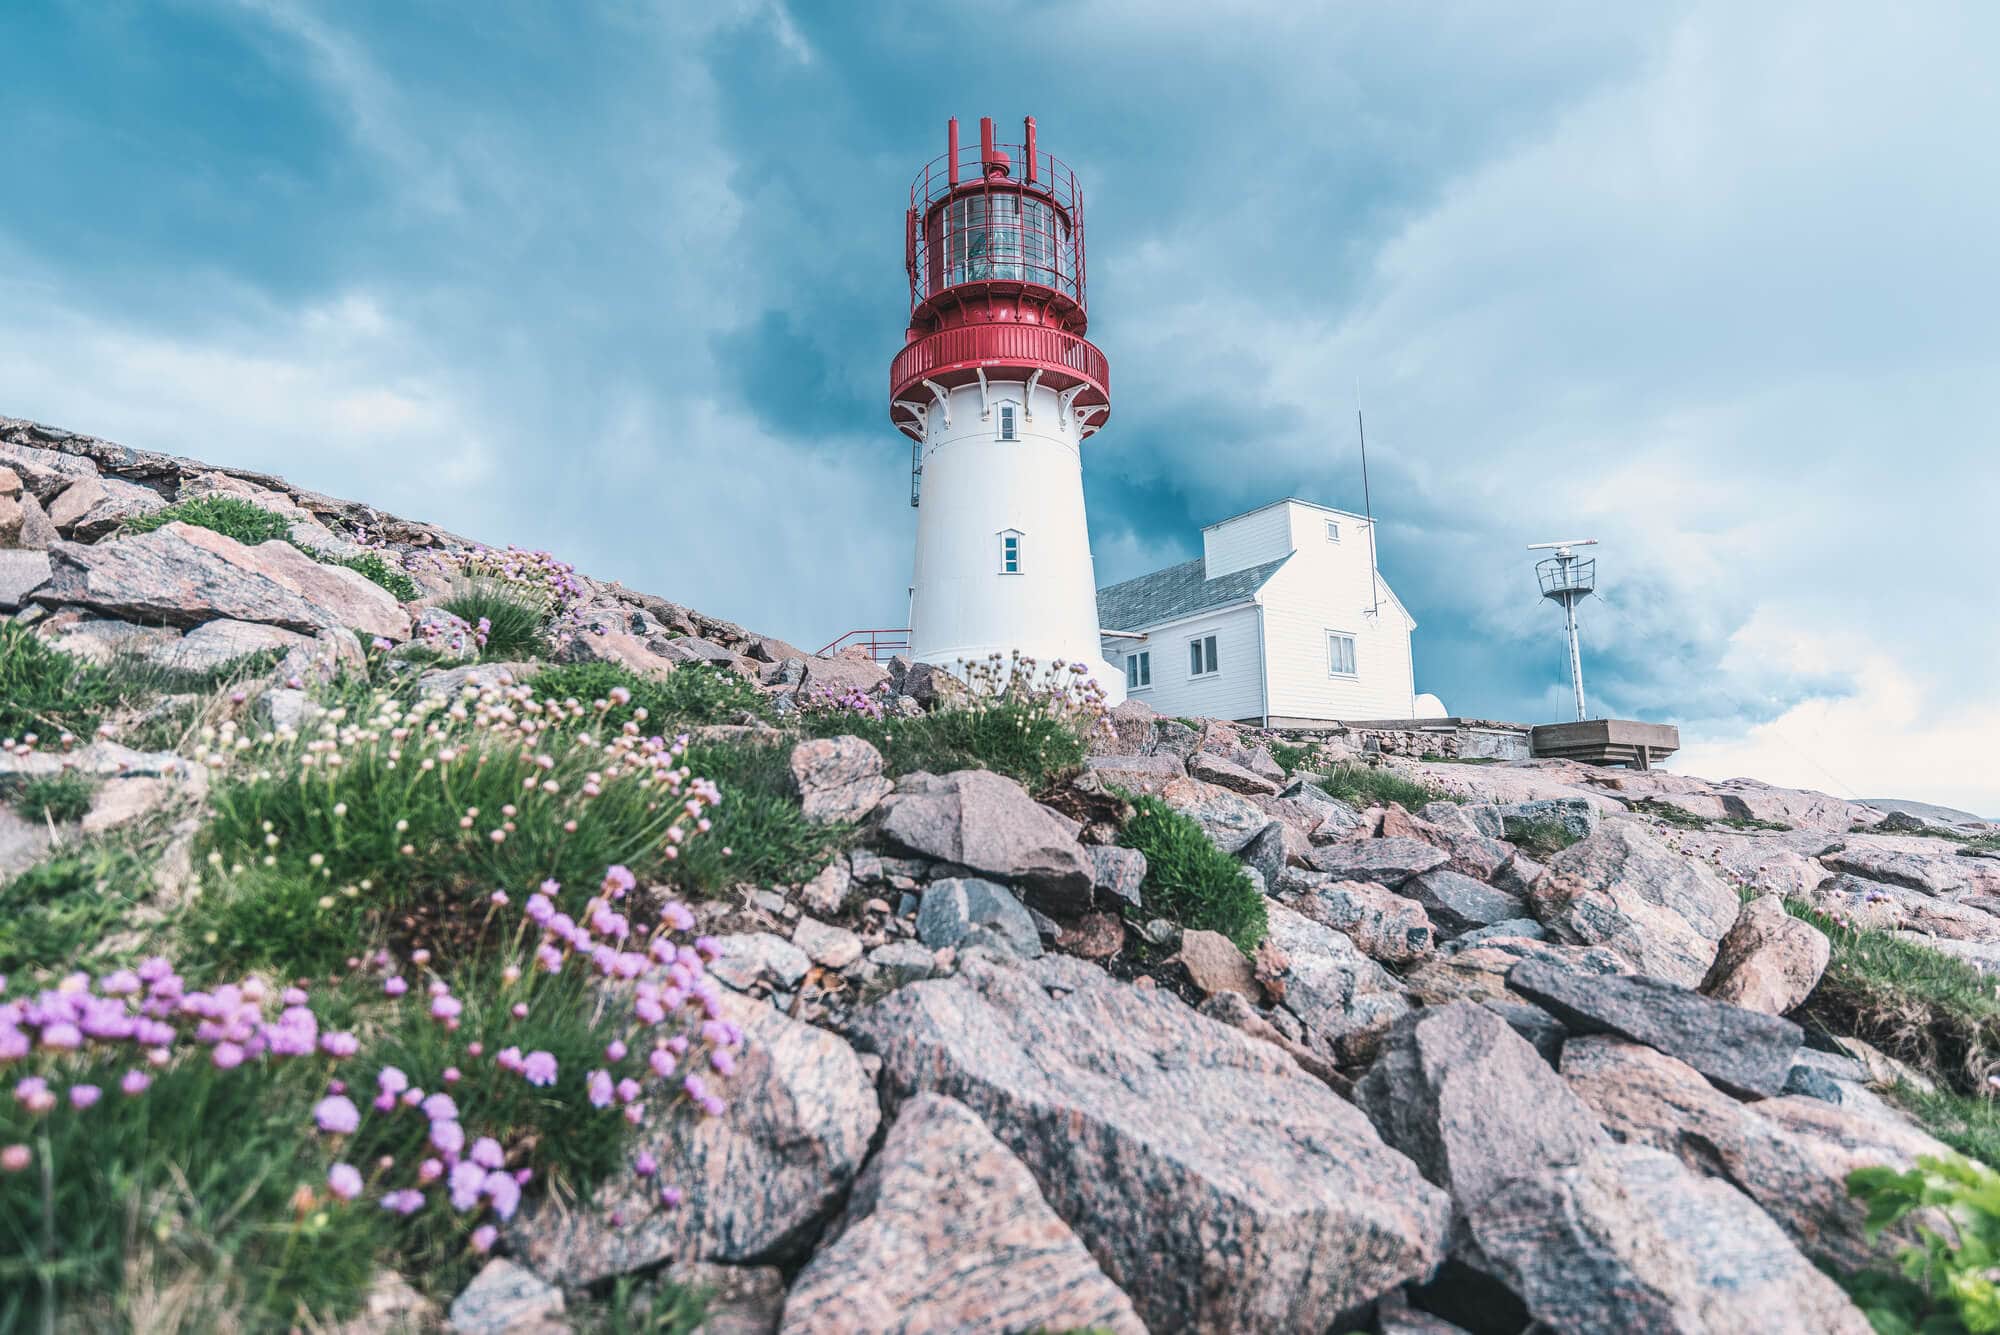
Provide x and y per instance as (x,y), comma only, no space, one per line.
(1275,530)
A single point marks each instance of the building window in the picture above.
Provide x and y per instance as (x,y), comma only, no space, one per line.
(1010,552)
(1339,654)
(1007,429)
(1138,671)
(1333,530)
(1201,657)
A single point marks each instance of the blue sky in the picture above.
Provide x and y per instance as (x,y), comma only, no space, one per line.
(1713,283)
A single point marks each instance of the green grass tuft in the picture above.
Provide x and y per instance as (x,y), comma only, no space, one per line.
(228,515)
(46,691)
(768,838)
(514,622)
(61,798)
(56,912)
(691,695)
(1368,785)
(376,568)
(1020,738)
(1191,881)
(1669,814)
(1543,838)
(1919,1005)
(1291,757)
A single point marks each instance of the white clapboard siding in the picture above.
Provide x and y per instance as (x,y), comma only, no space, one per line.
(1236,689)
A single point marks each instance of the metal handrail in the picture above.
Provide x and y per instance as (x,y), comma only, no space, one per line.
(1559,576)
(977,345)
(882,643)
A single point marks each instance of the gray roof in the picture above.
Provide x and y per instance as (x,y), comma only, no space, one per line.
(1177,591)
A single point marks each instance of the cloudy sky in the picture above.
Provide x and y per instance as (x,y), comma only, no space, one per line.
(1714,284)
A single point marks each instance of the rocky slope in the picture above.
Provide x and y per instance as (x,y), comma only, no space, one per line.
(1538,1051)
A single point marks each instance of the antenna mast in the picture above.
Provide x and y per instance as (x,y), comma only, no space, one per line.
(1566,578)
(1368,507)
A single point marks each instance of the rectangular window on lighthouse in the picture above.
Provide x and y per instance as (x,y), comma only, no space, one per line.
(1007,422)
(1010,553)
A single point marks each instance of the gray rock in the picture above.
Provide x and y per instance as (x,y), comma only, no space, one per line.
(450,683)
(1230,820)
(21,573)
(163,577)
(1384,924)
(1175,738)
(826,945)
(1344,999)
(1508,820)
(1212,768)
(1153,766)
(92,508)
(1266,852)
(1624,889)
(44,473)
(1746,1052)
(1333,817)
(901,963)
(215,644)
(1630,1240)
(987,824)
(1472,1102)
(504,1299)
(964,911)
(1769,960)
(838,779)
(1390,862)
(1526,929)
(1543,1032)
(1458,904)
(826,892)
(946,1231)
(1208,1174)
(1791,1155)
(1118,874)
(755,958)
(757,1182)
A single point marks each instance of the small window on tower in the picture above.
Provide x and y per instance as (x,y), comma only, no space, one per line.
(1010,553)
(1333,530)
(1007,431)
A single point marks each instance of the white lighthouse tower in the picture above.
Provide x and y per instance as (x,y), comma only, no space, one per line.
(998,389)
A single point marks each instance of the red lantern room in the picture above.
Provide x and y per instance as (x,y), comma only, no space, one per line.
(993,243)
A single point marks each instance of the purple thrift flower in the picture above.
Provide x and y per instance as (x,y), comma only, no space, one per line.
(440,1108)
(539,1068)
(82,1096)
(228,1056)
(407,1201)
(645,1165)
(484,1237)
(598,1084)
(395,986)
(343,1181)
(342,1044)
(486,1152)
(467,1178)
(448,1137)
(135,1083)
(391,1080)
(337,1115)
(504,1192)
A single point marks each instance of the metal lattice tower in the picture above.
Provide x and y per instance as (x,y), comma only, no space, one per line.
(1567,579)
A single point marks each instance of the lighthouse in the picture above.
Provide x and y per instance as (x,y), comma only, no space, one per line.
(997,389)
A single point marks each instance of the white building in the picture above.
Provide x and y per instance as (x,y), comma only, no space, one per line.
(1277,620)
